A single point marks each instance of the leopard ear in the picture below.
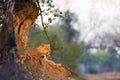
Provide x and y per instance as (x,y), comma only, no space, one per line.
(42,45)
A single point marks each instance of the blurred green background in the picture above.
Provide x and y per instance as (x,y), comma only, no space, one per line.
(79,56)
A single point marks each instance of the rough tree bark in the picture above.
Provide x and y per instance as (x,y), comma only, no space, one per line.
(19,16)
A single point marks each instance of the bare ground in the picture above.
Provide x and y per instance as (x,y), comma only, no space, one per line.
(103,76)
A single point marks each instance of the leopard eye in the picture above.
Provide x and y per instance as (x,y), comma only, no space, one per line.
(47,54)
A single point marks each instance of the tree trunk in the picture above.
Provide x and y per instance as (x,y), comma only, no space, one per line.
(19,16)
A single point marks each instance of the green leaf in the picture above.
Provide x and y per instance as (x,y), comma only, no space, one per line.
(58,15)
(55,14)
(60,12)
(50,20)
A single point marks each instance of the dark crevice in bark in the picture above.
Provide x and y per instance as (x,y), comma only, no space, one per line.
(8,48)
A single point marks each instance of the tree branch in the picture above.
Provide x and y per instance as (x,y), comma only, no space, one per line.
(42,21)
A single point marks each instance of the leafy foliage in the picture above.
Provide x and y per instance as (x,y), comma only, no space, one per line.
(68,55)
(50,11)
(98,57)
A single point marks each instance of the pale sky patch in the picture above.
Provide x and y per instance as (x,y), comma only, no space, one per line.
(96,10)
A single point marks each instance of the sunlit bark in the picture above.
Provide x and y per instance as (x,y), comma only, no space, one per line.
(20,15)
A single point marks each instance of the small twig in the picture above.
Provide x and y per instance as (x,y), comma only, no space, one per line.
(42,21)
